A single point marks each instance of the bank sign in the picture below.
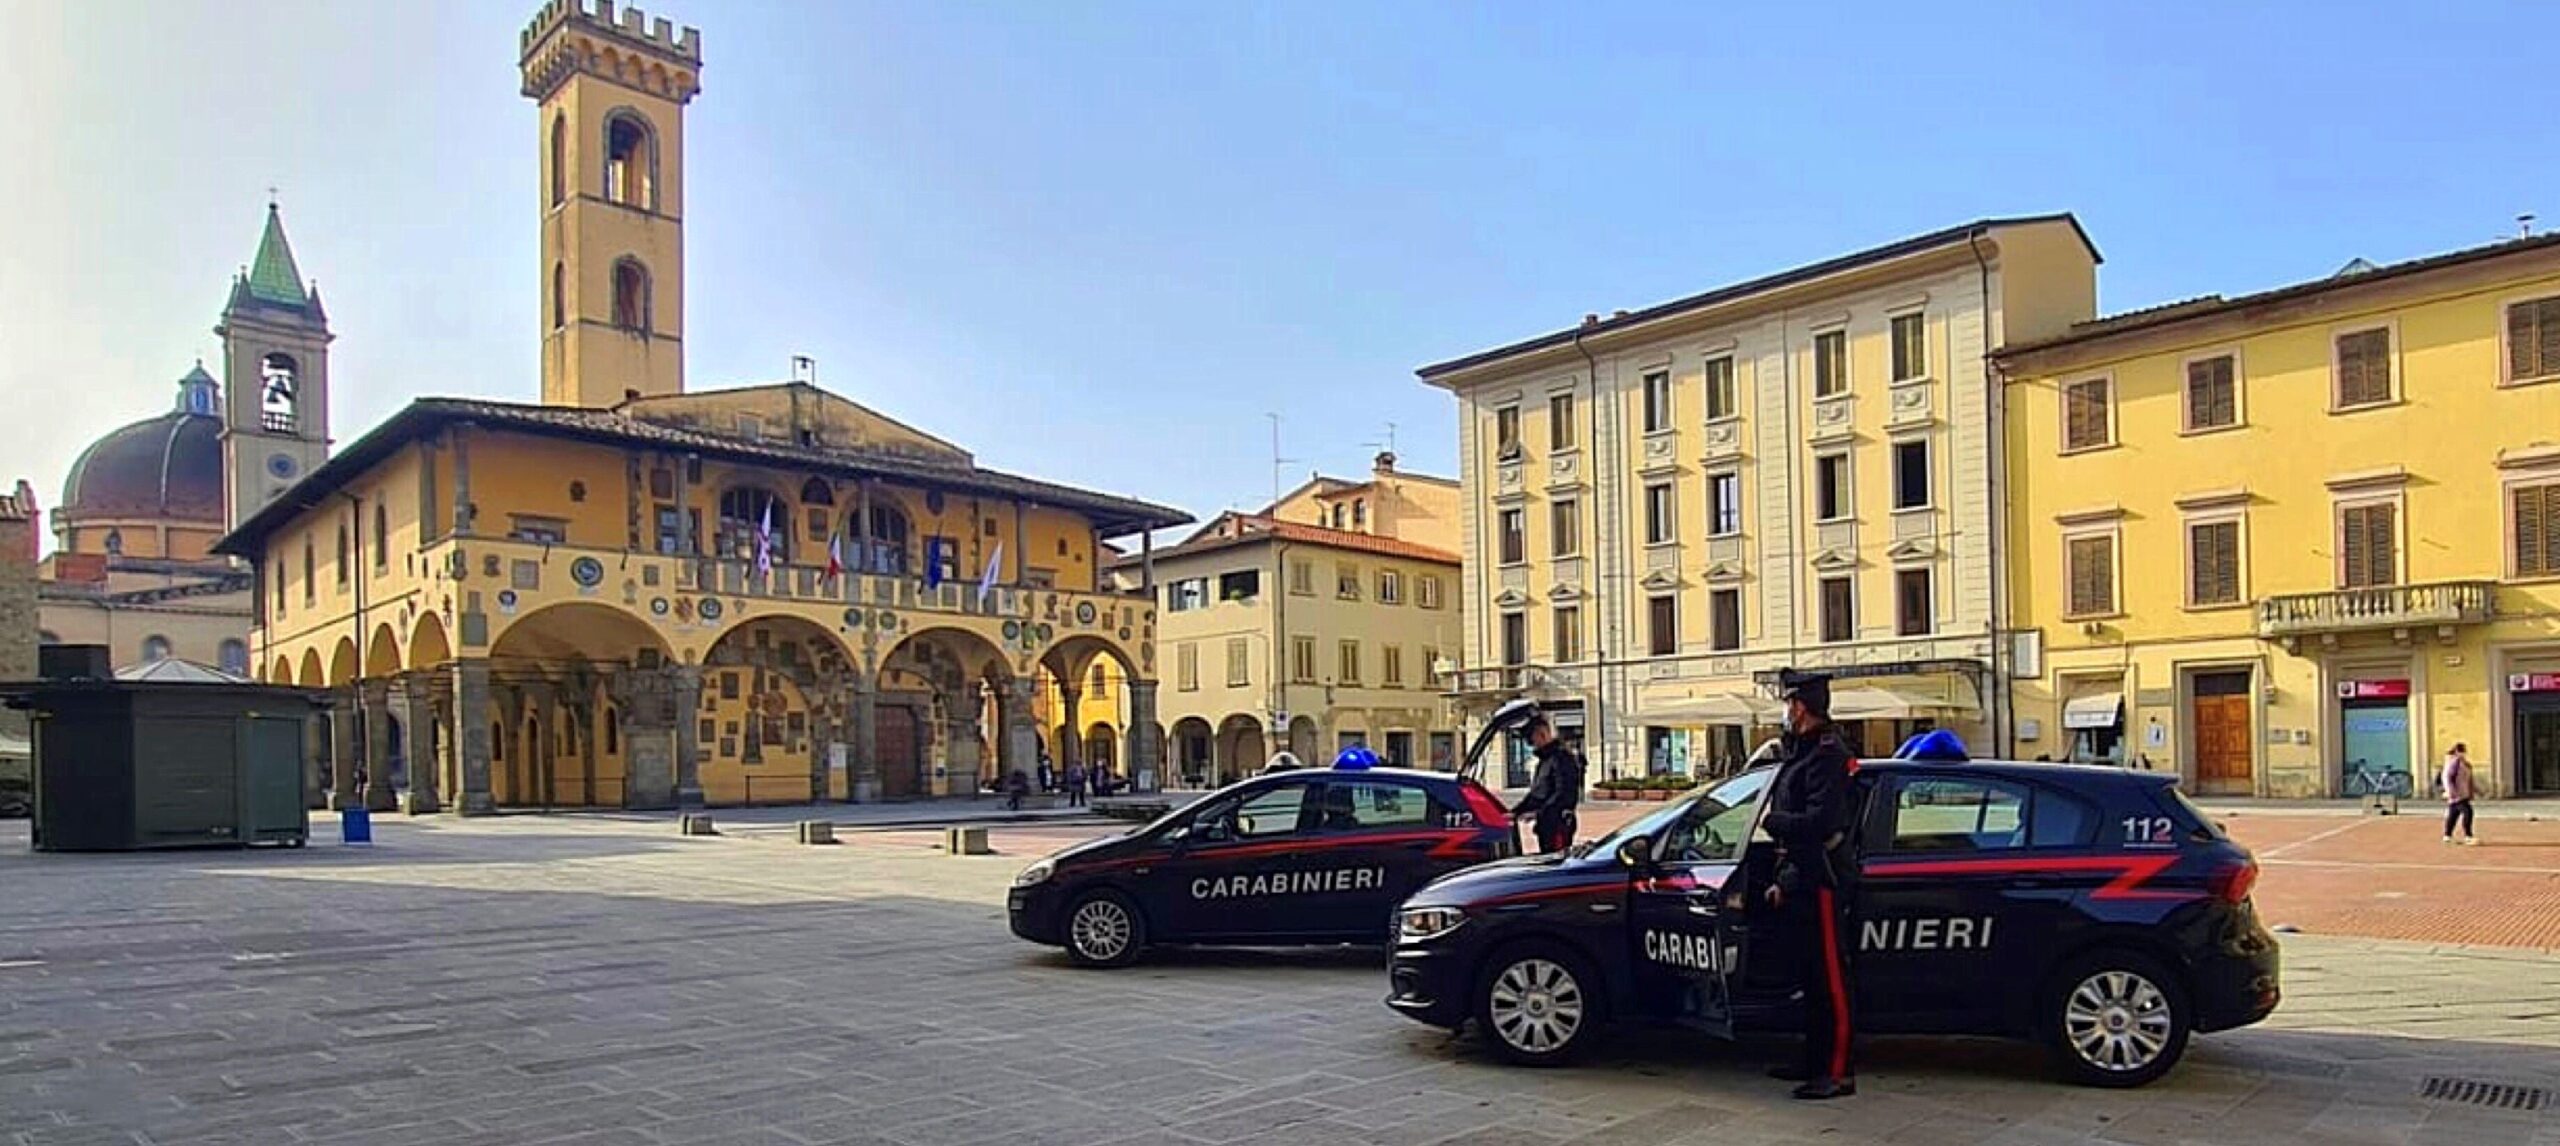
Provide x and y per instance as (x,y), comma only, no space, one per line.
(2533,682)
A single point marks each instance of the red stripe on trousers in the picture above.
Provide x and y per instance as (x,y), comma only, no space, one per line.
(1839,987)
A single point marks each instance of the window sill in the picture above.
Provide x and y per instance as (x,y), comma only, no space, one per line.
(1667,543)
(2521,383)
(2209,431)
(1835,519)
(1901,510)
(2220,607)
(2102,447)
(1727,535)
(1733,419)
(1914,380)
(2363,407)
(1662,433)
(2083,618)
(2551,578)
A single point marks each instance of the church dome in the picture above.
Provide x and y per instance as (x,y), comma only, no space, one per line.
(164,468)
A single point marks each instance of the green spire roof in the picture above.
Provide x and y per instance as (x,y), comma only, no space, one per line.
(273,277)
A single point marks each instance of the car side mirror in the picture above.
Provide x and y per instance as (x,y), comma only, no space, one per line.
(1636,852)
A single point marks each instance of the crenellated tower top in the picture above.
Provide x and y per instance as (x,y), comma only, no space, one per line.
(571,37)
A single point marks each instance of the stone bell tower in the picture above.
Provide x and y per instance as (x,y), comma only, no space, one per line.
(612,88)
(275,378)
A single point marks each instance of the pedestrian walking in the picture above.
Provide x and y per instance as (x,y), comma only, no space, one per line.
(1075,784)
(1016,786)
(1555,790)
(1045,776)
(2455,781)
(1815,879)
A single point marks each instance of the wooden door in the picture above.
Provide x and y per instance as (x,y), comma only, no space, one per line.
(2222,732)
(895,749)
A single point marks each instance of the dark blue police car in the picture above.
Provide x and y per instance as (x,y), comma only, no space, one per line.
(1300,856)
(2093,909)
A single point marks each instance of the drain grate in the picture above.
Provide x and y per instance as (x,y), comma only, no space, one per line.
(2495,1095)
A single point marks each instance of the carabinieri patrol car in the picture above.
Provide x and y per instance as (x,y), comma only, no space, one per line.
(1299,856)
(2093,909)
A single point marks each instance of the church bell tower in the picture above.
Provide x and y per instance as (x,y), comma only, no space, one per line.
(612,88)
(275,378)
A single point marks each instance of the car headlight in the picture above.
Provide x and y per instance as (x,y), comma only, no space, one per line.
(1422,924)
(1037,873)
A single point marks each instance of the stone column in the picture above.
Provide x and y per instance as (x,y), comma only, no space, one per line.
(1071,745)
(346,749)
(470,738)
(585,714)
(417,705)
(645,703)
(1146,749)
(864,705)
(315,759)
(1021,728)
(381,788)
(685,688)
(960,756)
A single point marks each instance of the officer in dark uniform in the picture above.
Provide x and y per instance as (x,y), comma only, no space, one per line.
(1555,790)
(1810,817)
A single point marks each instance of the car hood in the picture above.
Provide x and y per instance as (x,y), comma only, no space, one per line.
(1505,878)
(1108,847)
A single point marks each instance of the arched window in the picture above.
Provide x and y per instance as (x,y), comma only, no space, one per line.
(115,543)
(279,391)
(631,295)
(884,544)
(744,512)
(630,161)
(612,732)
(155,648)
(235,656)
(816,491)
(559,295)
(559,159)
(1360,515)
(381,538)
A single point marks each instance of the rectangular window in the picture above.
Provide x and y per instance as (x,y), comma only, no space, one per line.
(1506,430)
(1302,576)
(1839,610)
(1913,603)
(1187,667)
(1187,594)
(1390,587)
(670,529)
(1662,625)
(1346,581)
(2368,545)
(1241,585)
(1560,422)
(1911,474)
(2536,520)
(1515,638)
(1239,662)
(2213,563)
(1657,401)
(1830,363)
(2088,414)
(1515,536)
(1568,633)
(1391,666)
(1302,660)
(1831,488)
(1724,614)
(1430,667)
(2213,393)
(1720,396)
(1429,595)
(2533,340)
(1910,347)
(1724,504)
(1349,667)
(2092,570)
(1564,527)
(1658,516)
(2364,367)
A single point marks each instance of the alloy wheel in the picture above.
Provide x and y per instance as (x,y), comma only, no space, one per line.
(1100,930)
(1536,1006)
(2117,1021)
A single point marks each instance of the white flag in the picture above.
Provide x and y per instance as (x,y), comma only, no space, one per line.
(987,580)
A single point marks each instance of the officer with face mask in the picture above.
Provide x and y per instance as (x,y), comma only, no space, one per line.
(1809,815)
(1555,790)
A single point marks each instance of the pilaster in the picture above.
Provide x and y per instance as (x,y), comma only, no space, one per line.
(1146,745)
(470,738)
(685,685)
(417,706)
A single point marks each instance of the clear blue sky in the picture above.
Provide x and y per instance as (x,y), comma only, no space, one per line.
(1096,242)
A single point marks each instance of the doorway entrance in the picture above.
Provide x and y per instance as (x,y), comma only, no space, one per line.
(2225,743)
(2538,739)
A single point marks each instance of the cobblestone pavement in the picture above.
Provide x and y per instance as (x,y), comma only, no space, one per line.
(585,980)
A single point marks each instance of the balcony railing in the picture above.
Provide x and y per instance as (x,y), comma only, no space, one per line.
(2384,607)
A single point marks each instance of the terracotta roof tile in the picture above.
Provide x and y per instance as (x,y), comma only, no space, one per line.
(1256,528)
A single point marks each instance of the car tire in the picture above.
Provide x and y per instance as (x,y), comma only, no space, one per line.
(2116,1019)
(1104,929)
(1537,1003)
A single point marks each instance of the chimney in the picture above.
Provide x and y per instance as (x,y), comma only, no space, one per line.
(1590,320)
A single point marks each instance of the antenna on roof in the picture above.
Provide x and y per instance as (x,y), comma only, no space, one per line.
(2524,225)
(1278,463)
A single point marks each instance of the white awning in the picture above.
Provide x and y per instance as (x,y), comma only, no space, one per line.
(1712,708)
(1940,697)
(2093,710)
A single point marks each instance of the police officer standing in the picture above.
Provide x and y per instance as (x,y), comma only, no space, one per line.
(1809,816)
(1555,790)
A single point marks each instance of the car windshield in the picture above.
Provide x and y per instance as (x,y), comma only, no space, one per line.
(1725,805)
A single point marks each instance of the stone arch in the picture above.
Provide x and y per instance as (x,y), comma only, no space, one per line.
(382,654)
(1242,749)
(282,673)
(343,663)
(1102,746)
(778,690)
(1304,738)
(630,159)
(571,631)
(1191,748)
(549,672)
(428,646)
(961,686)
(313,675)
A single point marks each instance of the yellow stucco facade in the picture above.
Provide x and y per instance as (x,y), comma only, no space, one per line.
(2293,543)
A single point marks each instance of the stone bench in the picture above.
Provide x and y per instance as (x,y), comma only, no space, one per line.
(966,841)
(817,831)
(695,824)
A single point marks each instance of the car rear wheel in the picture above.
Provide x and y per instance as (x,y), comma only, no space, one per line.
(2117,1019)
(1537,1004)
(1104,930)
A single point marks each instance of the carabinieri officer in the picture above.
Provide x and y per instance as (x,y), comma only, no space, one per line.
(1809,816)
(1556,790)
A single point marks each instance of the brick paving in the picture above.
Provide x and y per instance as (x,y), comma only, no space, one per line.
(595,980)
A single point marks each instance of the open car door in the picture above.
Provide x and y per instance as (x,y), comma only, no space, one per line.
(1689,940)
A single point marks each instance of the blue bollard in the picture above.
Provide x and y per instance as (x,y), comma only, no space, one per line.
(355,825)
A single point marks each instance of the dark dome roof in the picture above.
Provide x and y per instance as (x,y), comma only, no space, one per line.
(164,467)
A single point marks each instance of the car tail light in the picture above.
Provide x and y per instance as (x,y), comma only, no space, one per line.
(2233,883)
(1489,811)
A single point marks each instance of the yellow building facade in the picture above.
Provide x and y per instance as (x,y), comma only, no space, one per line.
(634,596)
(2297,543)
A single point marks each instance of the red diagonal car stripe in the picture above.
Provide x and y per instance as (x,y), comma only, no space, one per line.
(2131,872)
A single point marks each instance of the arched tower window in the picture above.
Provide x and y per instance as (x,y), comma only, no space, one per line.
(279,392)
(744,511)
(559,159)
(630,161)
(115,543)
(631,296)
(559,295)
(235,656)
(155,648)
(884,546)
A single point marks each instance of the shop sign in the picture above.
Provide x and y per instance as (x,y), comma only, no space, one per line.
(2533,682)
(2373,689)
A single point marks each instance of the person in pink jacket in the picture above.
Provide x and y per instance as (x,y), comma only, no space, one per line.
(2455,782)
